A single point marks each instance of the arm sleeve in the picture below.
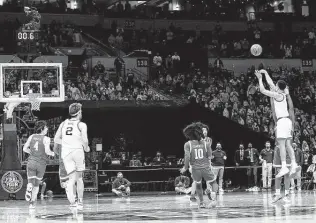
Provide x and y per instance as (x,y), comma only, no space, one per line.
(268,79)
(291,109)
(46,142)
(26,147)
(273,111)
(186,155)
(209,151)
(58,135)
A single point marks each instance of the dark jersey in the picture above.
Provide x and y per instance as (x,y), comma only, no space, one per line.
(200,153)
(37,149)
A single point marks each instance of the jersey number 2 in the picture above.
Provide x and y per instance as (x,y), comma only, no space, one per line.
(69,131)
(198,153)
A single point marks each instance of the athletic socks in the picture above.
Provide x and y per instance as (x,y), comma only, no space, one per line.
(35,193)
(28,193)
(80,189)
(283,164)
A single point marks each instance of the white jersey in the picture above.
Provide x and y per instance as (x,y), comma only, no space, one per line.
(71,136)
(280,107)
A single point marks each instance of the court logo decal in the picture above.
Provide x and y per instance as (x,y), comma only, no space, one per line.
(12,182)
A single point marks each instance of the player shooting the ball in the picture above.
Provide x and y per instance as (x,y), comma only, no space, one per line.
(280,98)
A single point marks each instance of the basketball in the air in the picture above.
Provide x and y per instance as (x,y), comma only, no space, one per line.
(256,50)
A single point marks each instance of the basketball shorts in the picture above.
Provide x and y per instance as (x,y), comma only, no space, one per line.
(35,170)
(284,128)
(74,161)
(206,173)
(277,159)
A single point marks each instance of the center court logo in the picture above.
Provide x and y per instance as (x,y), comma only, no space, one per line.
(12,182)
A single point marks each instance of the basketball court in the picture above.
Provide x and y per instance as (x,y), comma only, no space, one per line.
(232,207)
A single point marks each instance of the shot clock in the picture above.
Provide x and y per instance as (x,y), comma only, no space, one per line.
(28,35)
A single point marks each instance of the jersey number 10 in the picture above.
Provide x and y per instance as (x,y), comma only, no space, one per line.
(198,154)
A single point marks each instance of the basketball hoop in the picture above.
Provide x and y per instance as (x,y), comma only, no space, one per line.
(35,103)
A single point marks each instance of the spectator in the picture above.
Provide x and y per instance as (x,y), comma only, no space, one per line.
(135,161)
(157,60)
(107,161)
(158,160)
(99,68)
(121,186)
(118,63)
(300,161)
(253,160)
(182,184)
(218,162)
(218,64)
(119,41)
(240,160)
(111,40)
(128,7)
(266,157)
(176,61)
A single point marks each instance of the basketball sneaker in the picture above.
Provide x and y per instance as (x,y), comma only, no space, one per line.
(276,198)
(28,193)
(193,199)
(73,205)
(202,205)
(80,206)
(294,170)
(286,198)
(283,171)
(32,205)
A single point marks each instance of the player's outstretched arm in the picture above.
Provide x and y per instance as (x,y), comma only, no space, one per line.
(269,80)
(266,92)
(26,147)
(84,133)
(46,142)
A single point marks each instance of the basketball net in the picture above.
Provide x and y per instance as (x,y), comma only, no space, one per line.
(35,103)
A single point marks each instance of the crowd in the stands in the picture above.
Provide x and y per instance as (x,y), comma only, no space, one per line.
(103,84)
(236,96)
(195,9)
(219,42)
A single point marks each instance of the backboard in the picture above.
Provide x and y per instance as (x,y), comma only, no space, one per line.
(22,81)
